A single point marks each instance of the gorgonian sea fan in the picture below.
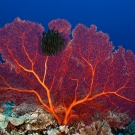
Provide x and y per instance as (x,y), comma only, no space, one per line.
(83,81)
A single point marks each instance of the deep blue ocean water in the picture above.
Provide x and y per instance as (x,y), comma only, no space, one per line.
(116,17)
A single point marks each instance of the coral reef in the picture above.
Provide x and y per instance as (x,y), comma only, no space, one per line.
(85,81)
(128,130)
(36,120)
(98,128)
(131,128)
(39,122)
(117,119)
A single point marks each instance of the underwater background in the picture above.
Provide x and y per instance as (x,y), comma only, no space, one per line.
(116,18)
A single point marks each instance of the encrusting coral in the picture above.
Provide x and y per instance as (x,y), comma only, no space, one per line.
(40,122)
(32,119)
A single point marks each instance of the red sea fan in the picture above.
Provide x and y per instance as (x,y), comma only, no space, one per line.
(85,81)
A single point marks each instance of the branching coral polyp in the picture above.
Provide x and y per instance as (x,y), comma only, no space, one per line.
(85,79)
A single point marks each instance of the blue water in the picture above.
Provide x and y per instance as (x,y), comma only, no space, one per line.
(113,17)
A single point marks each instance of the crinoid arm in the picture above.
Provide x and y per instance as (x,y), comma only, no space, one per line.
(52,42)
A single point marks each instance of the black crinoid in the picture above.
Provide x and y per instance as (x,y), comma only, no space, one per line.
(52,42)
